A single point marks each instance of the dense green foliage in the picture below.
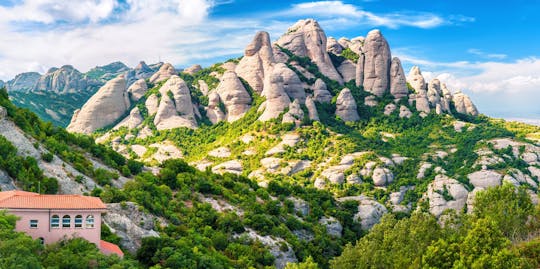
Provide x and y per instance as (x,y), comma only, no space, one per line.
(480,240)
(18,250)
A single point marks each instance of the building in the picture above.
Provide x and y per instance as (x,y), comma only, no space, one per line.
(51,218)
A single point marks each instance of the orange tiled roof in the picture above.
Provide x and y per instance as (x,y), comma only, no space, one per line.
(30,200)
(107,248)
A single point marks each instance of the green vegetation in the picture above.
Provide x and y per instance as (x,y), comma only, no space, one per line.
(484,239)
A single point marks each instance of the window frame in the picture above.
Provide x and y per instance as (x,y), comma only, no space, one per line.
(33,223)
(68,218)
(78,221)
(55,224)
(90,222)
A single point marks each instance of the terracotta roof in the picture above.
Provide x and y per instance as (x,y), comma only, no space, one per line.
(110,248)
(30,200)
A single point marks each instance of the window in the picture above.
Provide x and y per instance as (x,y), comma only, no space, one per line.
(66,221)
(55,221)
(41,240)
(33,223)
(90,221)
(78,221)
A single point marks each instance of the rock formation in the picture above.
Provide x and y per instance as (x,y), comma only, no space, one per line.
(464,105)
(333,46)
(347,69)
(295,114)
(346,107)
(257,61)
(141,71)
(103,108)
(23,81)
(175,108)
(320,92)
(306,39)
(360,70)
(137,90)
(276,97)
(192,70)
(312,109)
(234,96)
(291,83)
(164,72)
(152,104)
(61,80)
(213,111)
(377,63)
(398,82)
(132,121)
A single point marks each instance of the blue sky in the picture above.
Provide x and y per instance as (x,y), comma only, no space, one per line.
(488,49)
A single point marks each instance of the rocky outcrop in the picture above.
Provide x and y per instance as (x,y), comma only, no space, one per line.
(398,82)
(333,226)
(333,46)
(192,70)
(164,72)
(234,96)
(312,109)
(347,69)
(295,114)
(377,63)
(178,111)
(485,178)
(152,104)
(137,90)
(434,93)
(404,112)
(382,176)
(130,224)
(276,97)
(104,108)
(446,193)
(369,213)
(257,61)
(320,92)
(360,70)
(132,121)
(416,79)
(292,84)
(306,39)
(346,107)
(464,105)
(23,81)
(65,79)
(234,167)
(141,71)
(213,111)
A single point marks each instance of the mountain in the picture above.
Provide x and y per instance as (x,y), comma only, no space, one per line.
(55,95)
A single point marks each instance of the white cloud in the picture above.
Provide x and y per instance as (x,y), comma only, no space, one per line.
(483,54)
(391,20)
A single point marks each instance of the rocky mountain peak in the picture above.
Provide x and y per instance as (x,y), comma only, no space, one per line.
(165,71)
(377,63)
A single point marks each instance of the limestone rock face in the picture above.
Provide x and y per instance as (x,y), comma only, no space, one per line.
(377,63)
(347,69)
(192,70)
(23,81)
(203,87)
(434,92)
(416,79)
(276,97)
(485,179)
(152,104)
(446,98)
(164,72)
(141,71)
(103,108)
(346,107)
(333,226)
(382,176)
(369,213)
(178,111)
(213,112)
(257,61)
(312,109)
(438,202)
(137,90)
(464,104)
(307,39)
(344,42)
(398,82)
(62,80)
(295,114)
(291,83)
(320,92)
(360,70)
(333,46)
(234,96)
(132,121)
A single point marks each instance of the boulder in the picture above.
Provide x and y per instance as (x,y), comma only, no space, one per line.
(104,108)
(377,63)
(152,104)
(404,112)
(312,109)
(192,70)
(300,206)
(333,46)
(257,61)
(382,176)
(137,90)
(132,121)
(276,97)
(320,92)
(213,111)
(371,101)
(464,105)
(347,69)
(181,97)
(398,82)
(388,109)
(167,117)
(416,79)
(485,178)
(445,193)
(369,213)
(234,96)
(234,167)
(295,114)
(164,73)
(346,107)
(306,39)
(333,226)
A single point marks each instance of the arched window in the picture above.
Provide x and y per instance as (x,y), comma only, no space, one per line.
(78,221)
(90,221)
(41,240)
(55,221)
(66,221)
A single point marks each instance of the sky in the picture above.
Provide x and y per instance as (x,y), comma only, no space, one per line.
(487,49)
